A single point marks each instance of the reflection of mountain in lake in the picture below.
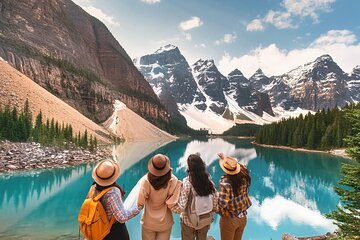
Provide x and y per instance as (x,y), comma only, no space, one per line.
(290,190)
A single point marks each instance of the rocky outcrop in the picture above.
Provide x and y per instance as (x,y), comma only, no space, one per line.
(212,83)
(246,95)
(315,85)
(74,56)
(29,156)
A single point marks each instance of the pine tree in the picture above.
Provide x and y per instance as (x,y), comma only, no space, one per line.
(347,218)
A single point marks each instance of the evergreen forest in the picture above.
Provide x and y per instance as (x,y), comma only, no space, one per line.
(323,130)
(18,126)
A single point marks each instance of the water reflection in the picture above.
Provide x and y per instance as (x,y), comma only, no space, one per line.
(290,190)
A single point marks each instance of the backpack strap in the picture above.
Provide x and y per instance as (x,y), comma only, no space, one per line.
(101,194)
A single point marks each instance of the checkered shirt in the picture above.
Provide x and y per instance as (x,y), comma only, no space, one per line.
(232,206)
(113,205)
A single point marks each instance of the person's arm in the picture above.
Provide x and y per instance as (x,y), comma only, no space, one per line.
(174,192)
(116,205)
(143,194)
(183,198)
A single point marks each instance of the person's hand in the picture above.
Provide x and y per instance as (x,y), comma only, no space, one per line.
(221,155)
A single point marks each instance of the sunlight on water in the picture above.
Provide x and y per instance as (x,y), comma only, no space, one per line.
(290,190)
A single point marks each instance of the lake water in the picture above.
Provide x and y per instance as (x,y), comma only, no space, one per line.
(290,190)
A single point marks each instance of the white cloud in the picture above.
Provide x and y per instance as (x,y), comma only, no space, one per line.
(227,38)
(340,44)
(99,14)
(151,1)
(274,211)
(307,8)
(291,14)
(193,22)
(255,25)
(335,37)
(281,20)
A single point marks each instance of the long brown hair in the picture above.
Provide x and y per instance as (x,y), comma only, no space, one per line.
(159,182)
(238,180)
(199,176)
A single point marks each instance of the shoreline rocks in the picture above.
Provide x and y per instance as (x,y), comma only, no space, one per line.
(22,156)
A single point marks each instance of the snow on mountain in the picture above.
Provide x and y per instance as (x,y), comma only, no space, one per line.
(209,100)
(353,83)
(315,85)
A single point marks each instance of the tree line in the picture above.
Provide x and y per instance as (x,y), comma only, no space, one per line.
(18,126)
(323,130)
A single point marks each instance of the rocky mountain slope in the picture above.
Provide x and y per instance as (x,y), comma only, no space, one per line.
(74,56)
(15,88)
(314,86)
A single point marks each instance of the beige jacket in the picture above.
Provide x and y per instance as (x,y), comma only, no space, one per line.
(157,215)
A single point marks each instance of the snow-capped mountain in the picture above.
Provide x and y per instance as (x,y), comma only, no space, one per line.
(353,83)
(212,83)
(205,97)
(208,99)
(258,80)
(245,94)
(315,85)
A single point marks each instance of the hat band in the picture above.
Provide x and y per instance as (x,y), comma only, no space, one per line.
(229,169)
(157,168)
(106,177)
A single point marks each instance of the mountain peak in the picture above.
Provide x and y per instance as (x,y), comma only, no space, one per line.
(324,58)
(236,72)
(259,71)
(166,48)
(259,74)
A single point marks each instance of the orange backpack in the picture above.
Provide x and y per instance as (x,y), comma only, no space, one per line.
(93,221)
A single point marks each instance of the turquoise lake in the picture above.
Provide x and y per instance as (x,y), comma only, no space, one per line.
(290,190)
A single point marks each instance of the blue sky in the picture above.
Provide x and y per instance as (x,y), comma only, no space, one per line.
(275,35)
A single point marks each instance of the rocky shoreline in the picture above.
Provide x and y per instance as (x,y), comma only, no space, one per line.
(29,156)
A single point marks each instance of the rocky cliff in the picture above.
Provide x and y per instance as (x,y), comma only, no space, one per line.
(74,56)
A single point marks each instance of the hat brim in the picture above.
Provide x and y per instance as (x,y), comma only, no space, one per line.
(157,172)
(108,181)
(228,171)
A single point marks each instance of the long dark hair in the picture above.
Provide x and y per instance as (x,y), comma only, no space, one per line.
(100,188)
(159,182)
(199,176)
(237,180)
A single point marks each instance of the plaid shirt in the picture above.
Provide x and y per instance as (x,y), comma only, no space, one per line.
(113,205)
(183,202)
(229,205)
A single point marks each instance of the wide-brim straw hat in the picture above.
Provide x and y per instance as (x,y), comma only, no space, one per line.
(106,172)
(230,165)
(159,165)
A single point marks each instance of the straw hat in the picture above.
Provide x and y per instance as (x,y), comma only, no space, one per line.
(159,165)
(106,172)
(230,165)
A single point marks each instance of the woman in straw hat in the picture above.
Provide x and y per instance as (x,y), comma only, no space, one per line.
(233,198)
(105,174)
(159,192)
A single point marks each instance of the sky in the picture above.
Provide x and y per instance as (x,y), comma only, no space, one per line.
(274,35)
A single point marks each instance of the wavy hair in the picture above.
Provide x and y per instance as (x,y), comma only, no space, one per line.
(199,176)
(237,180)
